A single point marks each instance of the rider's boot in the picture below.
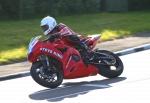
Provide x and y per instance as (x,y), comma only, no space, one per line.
(85,53)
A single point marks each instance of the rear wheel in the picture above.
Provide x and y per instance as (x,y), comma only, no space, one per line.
(48,77)
(112,69)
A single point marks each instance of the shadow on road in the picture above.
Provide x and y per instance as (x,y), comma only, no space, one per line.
(71,90)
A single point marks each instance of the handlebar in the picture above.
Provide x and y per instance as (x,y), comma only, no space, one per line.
(52,37)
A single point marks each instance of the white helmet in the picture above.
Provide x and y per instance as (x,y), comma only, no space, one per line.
(48,24)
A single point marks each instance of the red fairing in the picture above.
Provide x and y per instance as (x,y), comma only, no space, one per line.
(46,48)
(32,57)
(72,63)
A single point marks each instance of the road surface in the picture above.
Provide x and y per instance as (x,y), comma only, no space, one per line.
(132,86)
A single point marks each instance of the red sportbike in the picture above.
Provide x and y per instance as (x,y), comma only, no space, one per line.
(55,60)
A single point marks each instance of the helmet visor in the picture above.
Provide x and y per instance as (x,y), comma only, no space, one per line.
(45,27)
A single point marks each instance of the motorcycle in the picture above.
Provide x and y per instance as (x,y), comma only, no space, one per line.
(54,60)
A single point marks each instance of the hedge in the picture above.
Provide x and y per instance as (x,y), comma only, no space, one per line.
(139,5)
(33,8)
(9,8)
(14,9)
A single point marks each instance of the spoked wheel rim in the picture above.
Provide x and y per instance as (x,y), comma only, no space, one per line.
(112,60)
(113,63)
(115,67)
(48,76)
(111,68)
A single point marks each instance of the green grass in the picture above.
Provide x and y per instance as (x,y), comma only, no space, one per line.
(15,35)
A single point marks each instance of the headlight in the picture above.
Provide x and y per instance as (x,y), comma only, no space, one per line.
(32,43)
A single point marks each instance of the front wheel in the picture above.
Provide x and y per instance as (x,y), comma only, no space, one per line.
(113,70)
(48,78)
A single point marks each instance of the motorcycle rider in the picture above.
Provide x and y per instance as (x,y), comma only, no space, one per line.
(54,30)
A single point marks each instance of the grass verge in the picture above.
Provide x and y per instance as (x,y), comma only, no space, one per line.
(15,35)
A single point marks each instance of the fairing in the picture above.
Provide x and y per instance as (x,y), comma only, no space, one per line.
(72,63)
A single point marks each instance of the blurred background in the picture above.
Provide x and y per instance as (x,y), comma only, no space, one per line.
(20,21)
(23,9)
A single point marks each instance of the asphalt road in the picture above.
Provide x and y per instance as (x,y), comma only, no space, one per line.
(132,86)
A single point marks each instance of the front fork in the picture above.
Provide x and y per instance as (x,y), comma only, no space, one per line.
(45,61)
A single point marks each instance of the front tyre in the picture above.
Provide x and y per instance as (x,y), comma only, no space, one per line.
(49,79)
(110,71)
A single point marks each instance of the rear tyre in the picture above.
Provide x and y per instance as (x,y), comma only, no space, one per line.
(110,71)
(47,79)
